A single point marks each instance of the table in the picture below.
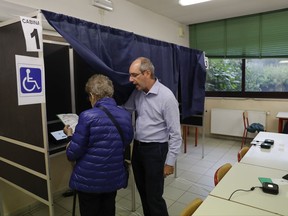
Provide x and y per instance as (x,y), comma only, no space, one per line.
(276,157)
(245,176)
(217,206)
(282,116)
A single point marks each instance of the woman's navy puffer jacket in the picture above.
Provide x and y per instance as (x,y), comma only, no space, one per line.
(97,148)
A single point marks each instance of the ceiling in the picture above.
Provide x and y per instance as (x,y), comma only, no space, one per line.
(208,11)
(11,11)
(212,10)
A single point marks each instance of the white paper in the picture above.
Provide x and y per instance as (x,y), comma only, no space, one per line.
(70,119)
(59,135)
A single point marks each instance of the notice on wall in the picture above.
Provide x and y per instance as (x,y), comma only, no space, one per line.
(30,80)
(32,29)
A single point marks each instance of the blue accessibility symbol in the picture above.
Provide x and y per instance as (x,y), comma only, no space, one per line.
(30,80)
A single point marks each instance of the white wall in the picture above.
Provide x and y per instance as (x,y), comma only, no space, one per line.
(125,16)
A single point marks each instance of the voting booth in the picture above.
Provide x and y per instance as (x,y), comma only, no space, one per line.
(24,155)
(32,93)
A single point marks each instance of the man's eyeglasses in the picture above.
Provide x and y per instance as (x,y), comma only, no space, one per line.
(134,75)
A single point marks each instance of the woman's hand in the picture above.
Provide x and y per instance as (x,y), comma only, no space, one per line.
(67,130)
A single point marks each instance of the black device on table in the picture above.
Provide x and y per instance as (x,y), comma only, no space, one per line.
(267,143)
(285,177)
(270,188)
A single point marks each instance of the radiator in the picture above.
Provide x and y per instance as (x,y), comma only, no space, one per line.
(230,121)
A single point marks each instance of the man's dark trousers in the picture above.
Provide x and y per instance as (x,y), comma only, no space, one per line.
(148,160)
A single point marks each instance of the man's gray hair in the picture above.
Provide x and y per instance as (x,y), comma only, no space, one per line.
(145,65)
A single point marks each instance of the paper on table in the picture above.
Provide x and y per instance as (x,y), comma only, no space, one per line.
(59,135)
(70,119)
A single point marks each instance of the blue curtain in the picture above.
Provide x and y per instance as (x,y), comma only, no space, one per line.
(192,81)
(110,51)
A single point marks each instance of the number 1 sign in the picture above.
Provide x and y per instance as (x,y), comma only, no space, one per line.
(32,29)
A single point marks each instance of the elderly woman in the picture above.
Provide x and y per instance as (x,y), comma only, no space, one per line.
(97,148)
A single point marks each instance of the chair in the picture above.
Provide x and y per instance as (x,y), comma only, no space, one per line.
(191,207)
(185,129)
(254,127)
(242,152)
(221,172)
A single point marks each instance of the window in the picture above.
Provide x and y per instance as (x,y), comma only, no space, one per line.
(247,77)
(224,75)
(266,75)
(245,54)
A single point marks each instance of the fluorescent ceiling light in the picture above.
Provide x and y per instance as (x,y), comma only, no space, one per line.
(283,62)
(104,4)
(190,2)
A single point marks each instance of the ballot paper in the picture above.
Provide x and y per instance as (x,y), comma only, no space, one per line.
(70,119)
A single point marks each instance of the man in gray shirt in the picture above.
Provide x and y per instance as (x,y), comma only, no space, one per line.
(157,137)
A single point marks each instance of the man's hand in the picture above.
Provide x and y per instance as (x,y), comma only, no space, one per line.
(168,170)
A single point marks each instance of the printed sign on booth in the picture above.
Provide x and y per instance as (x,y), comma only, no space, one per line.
(30,80)
(32,29)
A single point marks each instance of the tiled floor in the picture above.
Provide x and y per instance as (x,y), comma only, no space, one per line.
(194,179)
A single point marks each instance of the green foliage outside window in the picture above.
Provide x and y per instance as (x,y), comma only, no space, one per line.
(261,75)
(224,75)
(266,75)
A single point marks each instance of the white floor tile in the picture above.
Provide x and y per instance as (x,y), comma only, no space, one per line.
(172,193)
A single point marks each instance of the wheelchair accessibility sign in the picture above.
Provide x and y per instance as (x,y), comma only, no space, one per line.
(30,80)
